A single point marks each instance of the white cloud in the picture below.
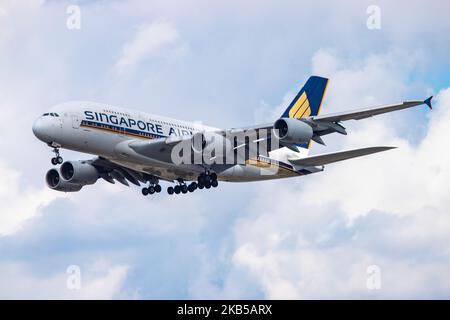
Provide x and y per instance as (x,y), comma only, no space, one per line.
(310,237)
(98,281)
(18,203)
(107,285)
(151,40)
(392,209)
(416,164)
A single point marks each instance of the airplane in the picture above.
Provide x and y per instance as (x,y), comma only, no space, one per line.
(136,147)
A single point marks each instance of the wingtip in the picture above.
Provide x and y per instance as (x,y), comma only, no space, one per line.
(386,148)
(428,102)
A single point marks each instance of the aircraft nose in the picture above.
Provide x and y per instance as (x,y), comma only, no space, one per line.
(39,130)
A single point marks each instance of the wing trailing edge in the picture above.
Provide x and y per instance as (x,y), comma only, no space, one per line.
(328,158)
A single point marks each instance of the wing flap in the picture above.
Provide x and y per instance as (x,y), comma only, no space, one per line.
(328,158)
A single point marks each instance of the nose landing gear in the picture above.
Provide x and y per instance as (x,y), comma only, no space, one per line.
(57,159)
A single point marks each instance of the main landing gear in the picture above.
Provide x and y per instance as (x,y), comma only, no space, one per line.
(182,187)
(205,180)
(153,188)
(57,159)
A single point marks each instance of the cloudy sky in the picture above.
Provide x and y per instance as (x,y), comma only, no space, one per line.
(230,63)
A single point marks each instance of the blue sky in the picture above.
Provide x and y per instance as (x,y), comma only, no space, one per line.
(228,64)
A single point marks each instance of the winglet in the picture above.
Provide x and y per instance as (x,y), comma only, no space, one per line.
(428,102)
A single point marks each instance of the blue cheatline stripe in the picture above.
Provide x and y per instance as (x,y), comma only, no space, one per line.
(120,130)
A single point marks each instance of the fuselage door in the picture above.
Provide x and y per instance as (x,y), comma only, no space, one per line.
(75,121)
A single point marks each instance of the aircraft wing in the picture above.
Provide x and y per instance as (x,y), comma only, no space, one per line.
(370,112)
(112,172)
(328,158)
(159,149)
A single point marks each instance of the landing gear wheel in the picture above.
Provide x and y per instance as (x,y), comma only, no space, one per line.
(200,185)
(214,183)
(158,188)
(184,188)
(144,191)
(177,189)
(170,190)
(151,190)
(57,159)
(208,185)
(192,187)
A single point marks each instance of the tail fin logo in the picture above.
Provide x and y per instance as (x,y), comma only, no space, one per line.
(308,100)
(301,108)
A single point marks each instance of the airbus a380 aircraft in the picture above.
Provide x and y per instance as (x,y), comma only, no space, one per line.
(141,148)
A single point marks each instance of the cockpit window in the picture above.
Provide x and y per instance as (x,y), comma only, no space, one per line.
(50,114)
(45,114)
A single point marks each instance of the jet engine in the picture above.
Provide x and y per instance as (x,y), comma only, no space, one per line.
(292,131)
(79,172)
(55,182)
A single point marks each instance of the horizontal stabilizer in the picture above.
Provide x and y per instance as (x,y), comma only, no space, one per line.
(328,158)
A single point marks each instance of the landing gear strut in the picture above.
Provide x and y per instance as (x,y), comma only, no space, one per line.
(57,159)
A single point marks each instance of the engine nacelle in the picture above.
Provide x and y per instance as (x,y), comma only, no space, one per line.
(79,172)
(210,143)
(55,182)
(292,131)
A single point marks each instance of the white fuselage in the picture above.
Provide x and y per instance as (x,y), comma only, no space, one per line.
(99,129)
